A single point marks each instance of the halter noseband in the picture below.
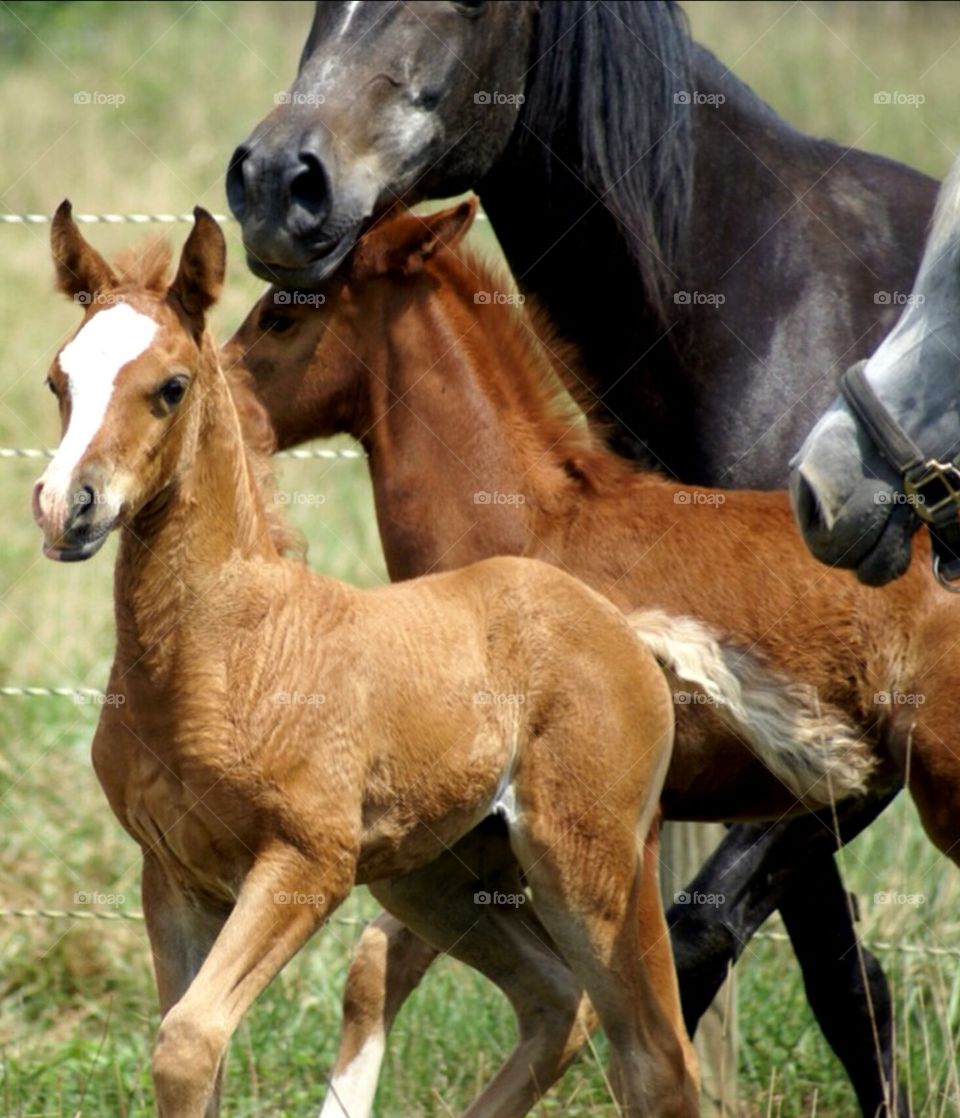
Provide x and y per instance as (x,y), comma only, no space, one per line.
(932,487)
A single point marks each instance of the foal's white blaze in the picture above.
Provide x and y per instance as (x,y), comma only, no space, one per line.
(352,1090)
(91,362)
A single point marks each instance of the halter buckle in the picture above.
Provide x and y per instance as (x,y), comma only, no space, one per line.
(935,487)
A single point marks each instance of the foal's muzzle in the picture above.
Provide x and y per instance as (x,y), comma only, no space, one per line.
(74,526)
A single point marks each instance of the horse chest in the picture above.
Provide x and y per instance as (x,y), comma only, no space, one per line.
(184,819)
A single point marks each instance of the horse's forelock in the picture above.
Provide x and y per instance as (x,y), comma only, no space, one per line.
(616,68)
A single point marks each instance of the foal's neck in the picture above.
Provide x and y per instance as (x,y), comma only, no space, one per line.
(479,434)
(173,557)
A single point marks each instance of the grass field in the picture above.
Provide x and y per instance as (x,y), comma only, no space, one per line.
(77,1013)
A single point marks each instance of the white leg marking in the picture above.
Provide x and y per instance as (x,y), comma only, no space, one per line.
(352,1090)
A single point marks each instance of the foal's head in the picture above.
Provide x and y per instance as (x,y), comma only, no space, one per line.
(309,355)
(127,382)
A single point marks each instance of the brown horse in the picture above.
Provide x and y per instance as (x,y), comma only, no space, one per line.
(284,736)
(418,353)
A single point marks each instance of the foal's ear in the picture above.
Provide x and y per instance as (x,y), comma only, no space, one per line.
(403,244)
(203,262)
(82,273)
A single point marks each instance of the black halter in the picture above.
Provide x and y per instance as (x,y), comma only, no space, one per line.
(932,487)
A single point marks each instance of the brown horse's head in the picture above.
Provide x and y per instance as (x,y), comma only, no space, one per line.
(306,354)
(124,382)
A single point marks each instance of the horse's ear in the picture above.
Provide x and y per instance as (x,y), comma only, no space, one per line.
(82,273)
(403,244)
(203,263)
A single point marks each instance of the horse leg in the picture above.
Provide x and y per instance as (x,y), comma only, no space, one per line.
(181,936)
(758,868)
(261,934)
(503,941)
(600,901)
(386,968)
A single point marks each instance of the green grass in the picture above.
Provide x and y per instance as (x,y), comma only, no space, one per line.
(77,1012)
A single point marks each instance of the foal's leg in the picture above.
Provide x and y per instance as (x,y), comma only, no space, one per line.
(592,907)
(506,943)
(181,935)
(261,934)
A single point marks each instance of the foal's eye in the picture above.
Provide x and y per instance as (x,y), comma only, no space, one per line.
(470,7)
(276,323)
(171,391)
(52,386)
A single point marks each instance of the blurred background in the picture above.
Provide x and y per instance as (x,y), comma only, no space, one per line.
(132,107)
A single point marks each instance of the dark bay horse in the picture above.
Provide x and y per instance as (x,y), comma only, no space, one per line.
(858,498)
(734,261)
(471,455)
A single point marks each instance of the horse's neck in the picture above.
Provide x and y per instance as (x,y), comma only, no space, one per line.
(465,466)
(172,558)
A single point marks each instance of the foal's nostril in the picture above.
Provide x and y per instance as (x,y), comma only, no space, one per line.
(37,510)
(310,188)
(236,186)
(83,502)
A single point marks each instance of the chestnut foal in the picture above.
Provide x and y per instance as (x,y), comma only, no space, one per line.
(285,736)
(471,454)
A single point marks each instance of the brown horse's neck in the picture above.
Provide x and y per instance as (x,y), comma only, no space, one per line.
(471,425)
(172,557)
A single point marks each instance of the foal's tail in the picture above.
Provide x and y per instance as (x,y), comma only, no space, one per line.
(815,752)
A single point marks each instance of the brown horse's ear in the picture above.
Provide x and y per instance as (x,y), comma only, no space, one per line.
(82,273)
(403,244)
(203,262)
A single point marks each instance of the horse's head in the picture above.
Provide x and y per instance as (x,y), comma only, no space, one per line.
(849,498)
(308,356)
(392,102)
(126,383)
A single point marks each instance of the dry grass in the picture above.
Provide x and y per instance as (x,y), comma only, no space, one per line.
(77,1010)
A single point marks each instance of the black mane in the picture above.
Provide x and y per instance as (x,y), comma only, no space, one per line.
(603,97)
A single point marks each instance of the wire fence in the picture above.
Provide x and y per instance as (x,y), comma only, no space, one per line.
(93,696)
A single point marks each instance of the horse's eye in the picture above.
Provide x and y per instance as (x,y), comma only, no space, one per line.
(276,323)
(172,390)
(470,7)
(52,386)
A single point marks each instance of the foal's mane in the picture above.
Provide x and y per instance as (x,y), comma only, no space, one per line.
(549,391)
(146,266)
(605,98)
